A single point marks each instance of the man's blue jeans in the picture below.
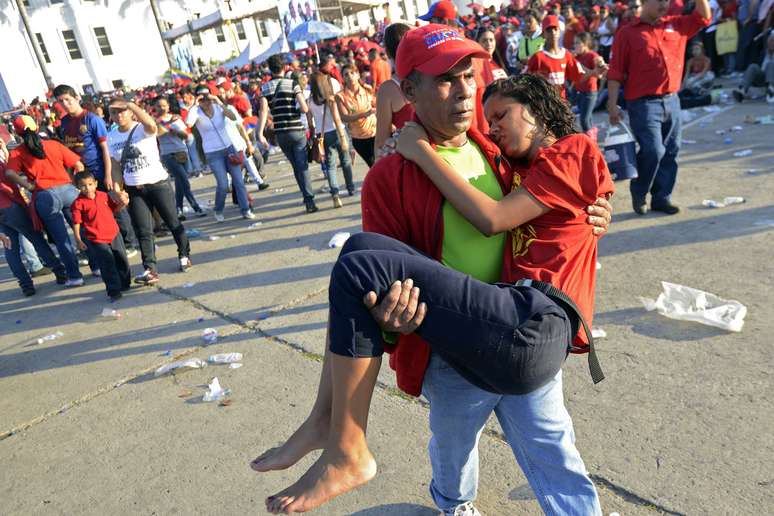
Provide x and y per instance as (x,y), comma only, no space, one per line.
(18,225)
(53,207)
(536,425)
(293,145)
(222,168)
(586,103)
(657,127)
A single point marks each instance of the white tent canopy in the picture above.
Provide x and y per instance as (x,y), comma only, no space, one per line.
(251,54)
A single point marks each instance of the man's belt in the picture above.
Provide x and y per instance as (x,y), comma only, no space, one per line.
(557,295)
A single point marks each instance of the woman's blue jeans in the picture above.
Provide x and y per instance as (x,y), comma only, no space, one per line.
(222,168)
(586,103)
(16,224)
(182,185)
(333,147)
(53,207)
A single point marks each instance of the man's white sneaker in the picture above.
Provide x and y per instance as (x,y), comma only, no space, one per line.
(185,264)
(131,253)
(219,217)
(465,509)
(249,215)
(77,282)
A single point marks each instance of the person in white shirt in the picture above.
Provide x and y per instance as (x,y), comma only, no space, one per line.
(209,117)
(133,151)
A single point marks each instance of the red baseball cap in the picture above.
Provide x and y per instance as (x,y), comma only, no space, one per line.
(550,21)
(443,9)
(434,49)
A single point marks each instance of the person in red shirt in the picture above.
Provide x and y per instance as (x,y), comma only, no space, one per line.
(588,86)
(234,97)
(94,210)
(647,60)
(572,26)
(489,70)
(380,69)
(557,64)
(41,166)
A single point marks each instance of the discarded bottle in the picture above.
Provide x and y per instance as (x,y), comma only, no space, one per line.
(225,358)
(743,153)
(51,336)
(210,335)
(733,200)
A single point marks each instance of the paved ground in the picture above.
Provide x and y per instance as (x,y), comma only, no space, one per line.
(682,425)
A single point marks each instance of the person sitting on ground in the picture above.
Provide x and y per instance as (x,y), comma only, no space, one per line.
(698,72)
(531,123)
(94,211)
(759,75)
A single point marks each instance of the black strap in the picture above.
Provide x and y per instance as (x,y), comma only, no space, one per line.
(127,144)
(551,291)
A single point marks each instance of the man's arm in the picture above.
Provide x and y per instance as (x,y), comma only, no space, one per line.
(19,179)
(703,8)
(613,111)
(263,117)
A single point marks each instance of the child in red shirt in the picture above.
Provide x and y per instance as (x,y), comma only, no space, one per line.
(94,210)
(588,86)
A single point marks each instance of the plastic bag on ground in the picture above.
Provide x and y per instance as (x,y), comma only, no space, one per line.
(210,335)
(598,333)
(225,358)
(690,304)
(193,363)
(215,391)
(338,239)
(110,313)
(727,201)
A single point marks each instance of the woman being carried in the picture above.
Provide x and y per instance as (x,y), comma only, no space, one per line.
(509,338)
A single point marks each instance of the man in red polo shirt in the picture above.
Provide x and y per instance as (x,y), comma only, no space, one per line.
(651,51)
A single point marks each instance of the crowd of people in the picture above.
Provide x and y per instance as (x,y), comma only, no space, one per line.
(480,139)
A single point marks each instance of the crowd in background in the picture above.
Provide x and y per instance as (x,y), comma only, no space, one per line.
(333,103)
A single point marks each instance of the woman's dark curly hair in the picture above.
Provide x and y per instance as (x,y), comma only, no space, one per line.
(541,98)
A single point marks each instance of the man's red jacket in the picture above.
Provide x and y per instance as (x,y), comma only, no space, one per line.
(398,200)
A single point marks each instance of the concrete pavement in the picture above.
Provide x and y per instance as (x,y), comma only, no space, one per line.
(681,425)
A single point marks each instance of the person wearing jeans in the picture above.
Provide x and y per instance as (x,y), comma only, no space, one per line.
(30,257)
(657,127)
(209,116)
(284,99)
(135,152)
(174,155)
(40,166)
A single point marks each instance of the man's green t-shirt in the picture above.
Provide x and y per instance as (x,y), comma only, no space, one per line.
(465,248)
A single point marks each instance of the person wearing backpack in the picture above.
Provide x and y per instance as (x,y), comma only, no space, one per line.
(284,100)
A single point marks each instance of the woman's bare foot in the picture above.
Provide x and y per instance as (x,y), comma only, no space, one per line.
(311,435)
(333,474)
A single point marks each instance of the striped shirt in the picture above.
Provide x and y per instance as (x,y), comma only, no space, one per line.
(281,93)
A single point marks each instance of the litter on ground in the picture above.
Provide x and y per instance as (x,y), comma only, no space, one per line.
(210,335)
(338,239)
(689,304)
(215,392)
(190,363)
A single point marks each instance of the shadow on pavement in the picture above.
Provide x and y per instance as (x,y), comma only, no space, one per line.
(653,325)
(404,509)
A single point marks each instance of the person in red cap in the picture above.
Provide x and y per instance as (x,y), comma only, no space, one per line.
(555,63)
(434,65)
(647,60)
(441,12)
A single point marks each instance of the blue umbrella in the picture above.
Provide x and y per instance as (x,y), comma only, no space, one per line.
(314,31)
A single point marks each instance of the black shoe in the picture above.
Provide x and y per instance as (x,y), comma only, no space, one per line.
(263,186)
(43,271)
(738,96)
(61,278)
(665,207)
(28,291)
(639,207)
(311,207)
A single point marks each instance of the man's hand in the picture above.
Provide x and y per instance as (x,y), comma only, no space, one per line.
(600,214)
(250,149)
(29,185)
(5,241)
(109,184)
(400,311)
(614,113)
(263,141)
(81,245)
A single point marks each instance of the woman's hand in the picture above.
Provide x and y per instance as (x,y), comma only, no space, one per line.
(412,141)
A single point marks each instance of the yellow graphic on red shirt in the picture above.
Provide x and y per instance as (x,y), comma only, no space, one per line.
(525,234)
(84,129)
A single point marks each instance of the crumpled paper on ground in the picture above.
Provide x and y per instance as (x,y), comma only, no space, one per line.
(338,239)
(215,391)
(690,304)
(193,363)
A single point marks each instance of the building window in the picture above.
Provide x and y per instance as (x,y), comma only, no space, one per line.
(240,30)
(72,44)
(118,83)
(260,26)
(102,41)
(42,45)
(56,1)
(196,38)
(219,34)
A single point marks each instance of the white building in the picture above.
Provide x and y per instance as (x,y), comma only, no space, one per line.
(105,44)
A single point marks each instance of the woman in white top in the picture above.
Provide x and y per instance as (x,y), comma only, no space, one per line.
(133,150)
(329,124)
(606,32)
(208,115)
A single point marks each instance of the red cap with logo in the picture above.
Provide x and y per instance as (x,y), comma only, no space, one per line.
(434,49)
(550,21)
